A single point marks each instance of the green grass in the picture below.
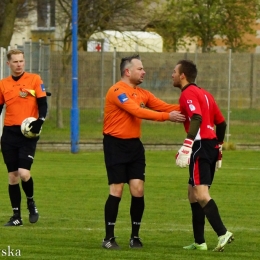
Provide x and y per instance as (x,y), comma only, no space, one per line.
(71,189)
(244,128)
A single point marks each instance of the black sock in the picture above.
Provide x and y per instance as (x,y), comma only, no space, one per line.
(28,189)
(111,210)
(136,213)
(15,198)
(212,214)
(198,222)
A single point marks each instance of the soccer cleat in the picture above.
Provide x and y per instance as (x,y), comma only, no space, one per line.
(197,246)
(223,240)
(33,212)
(135,242)
(110,243)
(14,221)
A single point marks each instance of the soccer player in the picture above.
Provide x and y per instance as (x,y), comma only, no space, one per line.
(202,152)
(24,96)
(126,105)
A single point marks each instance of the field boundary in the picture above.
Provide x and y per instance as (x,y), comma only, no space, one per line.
(98,146)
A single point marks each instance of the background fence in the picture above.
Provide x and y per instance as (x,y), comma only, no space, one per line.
(231,78)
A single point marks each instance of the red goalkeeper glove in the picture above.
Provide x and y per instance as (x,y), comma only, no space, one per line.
(219,161)
(184,153)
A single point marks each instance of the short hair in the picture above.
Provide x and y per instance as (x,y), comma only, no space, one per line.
(12,52)
(189,69)
(126,61)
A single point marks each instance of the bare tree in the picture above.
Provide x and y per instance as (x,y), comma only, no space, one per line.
(8,14)
(96,16)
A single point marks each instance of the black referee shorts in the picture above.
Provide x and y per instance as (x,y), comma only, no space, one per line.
(124,159)
(18,151)
(203,162)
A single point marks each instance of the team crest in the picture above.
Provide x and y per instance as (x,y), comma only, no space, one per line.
(142,105)
(23,94)
(192,107)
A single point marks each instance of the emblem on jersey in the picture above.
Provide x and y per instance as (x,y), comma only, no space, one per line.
(23,94)
(42,86)
(189,101)
(192,108)
(142,105)
(123,98)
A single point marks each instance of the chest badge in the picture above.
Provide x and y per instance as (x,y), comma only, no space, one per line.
(23,94)
(142,105)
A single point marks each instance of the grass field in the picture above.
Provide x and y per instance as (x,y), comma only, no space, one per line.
(71,190)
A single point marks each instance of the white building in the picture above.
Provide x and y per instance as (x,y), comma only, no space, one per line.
(127,41)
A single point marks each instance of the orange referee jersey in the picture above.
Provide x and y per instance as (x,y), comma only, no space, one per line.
(125,107)
(20,97)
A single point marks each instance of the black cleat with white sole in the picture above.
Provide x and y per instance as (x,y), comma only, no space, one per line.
(14,221)
(110,243)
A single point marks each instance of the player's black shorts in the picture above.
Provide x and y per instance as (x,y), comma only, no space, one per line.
(124,159)
(203,162)
(18,151)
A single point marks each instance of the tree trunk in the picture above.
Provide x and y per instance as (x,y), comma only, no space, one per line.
(6,31)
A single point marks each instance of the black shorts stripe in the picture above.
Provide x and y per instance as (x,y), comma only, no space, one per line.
(203,162)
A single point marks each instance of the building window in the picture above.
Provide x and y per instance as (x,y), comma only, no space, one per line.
(46,14)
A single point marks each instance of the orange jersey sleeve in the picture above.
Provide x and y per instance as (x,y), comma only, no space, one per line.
(20,97)
(157,104)
(125,107)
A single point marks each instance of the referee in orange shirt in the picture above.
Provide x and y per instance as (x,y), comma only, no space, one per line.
(126,105)
(24,96)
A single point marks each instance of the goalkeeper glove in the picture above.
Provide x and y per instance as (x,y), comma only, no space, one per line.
(183,155)
(36,126)
(219,160)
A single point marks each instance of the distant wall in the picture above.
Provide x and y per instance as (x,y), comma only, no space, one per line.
(213,75)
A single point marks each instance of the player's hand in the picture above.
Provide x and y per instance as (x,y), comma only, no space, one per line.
(176,116)
(48,94)
(184,153)
(219,161)
(35,126)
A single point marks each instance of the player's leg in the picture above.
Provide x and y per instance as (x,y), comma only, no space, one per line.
(198,222)
(28,188)
(116,179)
(211,211)
(198,215)
(201,194)
(205,171)
(15,197)
(10,155)
(115,161)
(136,175)
(111,212)
(26,157)
(136,211)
